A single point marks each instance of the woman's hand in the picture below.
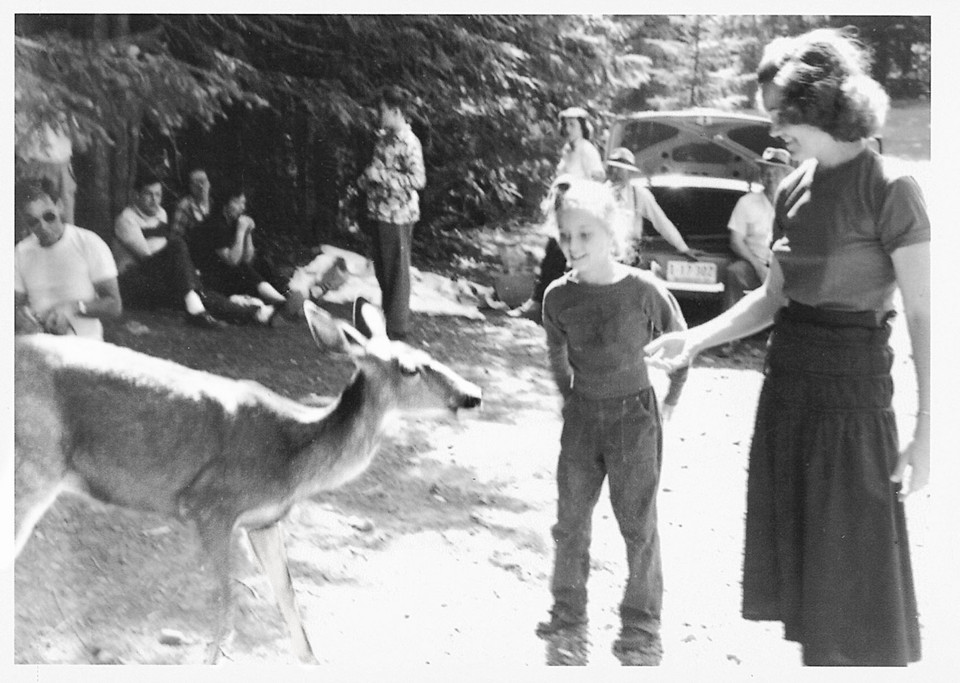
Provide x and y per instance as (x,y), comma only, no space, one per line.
(666,411)
(912,265)
(916,456)
(670,351)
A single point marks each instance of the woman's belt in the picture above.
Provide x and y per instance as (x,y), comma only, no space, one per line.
(802,313)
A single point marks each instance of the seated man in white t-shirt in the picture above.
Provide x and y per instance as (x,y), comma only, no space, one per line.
(65,278)
(751,228)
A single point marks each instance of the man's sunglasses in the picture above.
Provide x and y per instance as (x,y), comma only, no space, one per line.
(47,216)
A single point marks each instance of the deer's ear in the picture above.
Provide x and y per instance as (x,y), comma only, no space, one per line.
(368,319)
(355,343)
(324,329)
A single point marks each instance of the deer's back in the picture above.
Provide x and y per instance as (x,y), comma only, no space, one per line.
(141,431)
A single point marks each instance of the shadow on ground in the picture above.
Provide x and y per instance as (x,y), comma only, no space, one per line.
(444,537)
(98,584)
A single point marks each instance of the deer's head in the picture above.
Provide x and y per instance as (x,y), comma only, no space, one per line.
(409,378)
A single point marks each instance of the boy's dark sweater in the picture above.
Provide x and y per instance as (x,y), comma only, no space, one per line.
(596,334)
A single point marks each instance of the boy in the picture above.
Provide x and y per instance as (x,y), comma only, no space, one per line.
(598,317)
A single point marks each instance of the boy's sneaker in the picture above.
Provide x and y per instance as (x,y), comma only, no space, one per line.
(560,622)
(636,647)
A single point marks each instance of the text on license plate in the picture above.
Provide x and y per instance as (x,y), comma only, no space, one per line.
(690,271)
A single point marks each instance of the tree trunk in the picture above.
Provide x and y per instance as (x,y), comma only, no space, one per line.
(103,171)
(308,197)
(694,96)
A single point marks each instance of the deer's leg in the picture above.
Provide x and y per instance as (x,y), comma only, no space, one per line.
(39,465)
(215,534)
(268,545)
(40,476)
(29,507)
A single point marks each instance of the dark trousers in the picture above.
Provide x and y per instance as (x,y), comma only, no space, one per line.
(229,279)
(553,265)
(618,438)
(220,306)
(741,277)
(270,273)
(161,280)
(391,244)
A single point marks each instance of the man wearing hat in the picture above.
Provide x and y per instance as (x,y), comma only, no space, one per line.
(639,203)
(751,228)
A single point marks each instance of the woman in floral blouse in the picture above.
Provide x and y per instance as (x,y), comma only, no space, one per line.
(391,183)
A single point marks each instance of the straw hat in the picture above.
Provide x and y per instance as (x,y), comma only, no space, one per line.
(574,113)
(622,157)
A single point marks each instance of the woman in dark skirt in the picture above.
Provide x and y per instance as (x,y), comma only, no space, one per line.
(826,546)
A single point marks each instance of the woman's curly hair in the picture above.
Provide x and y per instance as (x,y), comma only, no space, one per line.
(824,82)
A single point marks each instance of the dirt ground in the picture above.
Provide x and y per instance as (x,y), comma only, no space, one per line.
(436,561)
(434,564)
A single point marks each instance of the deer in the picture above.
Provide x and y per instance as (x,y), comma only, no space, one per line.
(148,434)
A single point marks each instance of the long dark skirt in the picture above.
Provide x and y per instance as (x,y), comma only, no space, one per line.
(826,541)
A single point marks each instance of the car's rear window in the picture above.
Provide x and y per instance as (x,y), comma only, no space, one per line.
(639,135)
(702,153)
(756,138)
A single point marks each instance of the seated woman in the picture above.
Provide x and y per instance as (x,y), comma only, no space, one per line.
(222,249)
(194,208)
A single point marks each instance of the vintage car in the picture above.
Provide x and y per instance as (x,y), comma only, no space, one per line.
(697,163)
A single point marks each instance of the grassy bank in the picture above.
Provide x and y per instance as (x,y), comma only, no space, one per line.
(907,132)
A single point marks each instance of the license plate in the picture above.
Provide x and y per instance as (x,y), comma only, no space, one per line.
(692,271)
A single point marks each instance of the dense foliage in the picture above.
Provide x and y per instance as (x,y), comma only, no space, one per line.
(285,101)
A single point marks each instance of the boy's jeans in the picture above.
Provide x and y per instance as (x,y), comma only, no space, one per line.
(619,438)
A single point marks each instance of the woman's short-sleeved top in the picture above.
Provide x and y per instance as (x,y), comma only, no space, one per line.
(836,228)
(581,160)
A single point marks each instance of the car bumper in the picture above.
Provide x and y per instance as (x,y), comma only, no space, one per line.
(688,290)
(693,289)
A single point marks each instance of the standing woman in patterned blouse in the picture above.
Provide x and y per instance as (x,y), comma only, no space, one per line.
(826,546)
(391,183)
